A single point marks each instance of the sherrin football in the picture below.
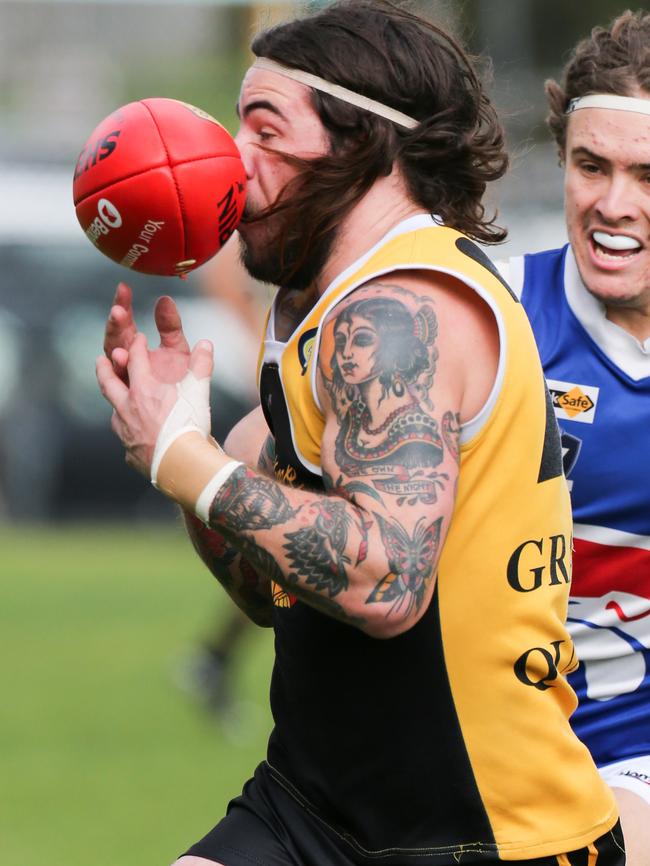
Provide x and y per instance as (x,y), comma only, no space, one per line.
(159,186)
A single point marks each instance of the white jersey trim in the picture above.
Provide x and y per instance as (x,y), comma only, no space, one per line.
(610,537)
(629,354)
(512,270)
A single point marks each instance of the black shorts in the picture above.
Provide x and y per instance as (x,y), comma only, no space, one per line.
(266,826)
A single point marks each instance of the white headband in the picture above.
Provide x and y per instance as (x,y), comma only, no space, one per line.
(609,100)
(336,90)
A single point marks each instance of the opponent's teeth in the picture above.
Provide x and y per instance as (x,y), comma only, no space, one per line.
(615,242)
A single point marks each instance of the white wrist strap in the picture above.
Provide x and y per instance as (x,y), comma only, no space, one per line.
(214,485)
(191,412)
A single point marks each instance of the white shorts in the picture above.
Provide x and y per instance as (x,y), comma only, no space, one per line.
(632,774)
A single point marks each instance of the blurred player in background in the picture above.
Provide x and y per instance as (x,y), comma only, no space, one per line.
(589,304)
(421,712)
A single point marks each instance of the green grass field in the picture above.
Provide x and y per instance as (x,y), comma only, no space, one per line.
(104,759)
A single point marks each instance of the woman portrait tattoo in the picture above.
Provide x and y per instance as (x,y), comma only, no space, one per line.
(382,368)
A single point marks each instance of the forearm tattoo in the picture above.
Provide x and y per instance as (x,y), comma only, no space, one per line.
(389,447)
(323,603)
(213,548)
(248,502)
(317,553)
(234,572)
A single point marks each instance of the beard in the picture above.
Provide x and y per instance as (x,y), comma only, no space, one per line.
(279,250)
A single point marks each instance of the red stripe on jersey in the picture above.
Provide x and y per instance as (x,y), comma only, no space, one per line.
(599,569)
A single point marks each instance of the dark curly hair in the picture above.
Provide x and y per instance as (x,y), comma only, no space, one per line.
(382,51)
(614,60)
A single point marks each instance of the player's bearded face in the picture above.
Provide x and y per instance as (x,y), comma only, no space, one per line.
(277,248)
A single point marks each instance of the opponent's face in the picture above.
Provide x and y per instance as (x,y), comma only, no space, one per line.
(607,203)
(275,112)
(356,345)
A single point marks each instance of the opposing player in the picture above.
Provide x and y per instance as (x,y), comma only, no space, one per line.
(413,549)
(589,304)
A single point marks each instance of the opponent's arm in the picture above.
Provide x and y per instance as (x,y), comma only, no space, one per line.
(249,441)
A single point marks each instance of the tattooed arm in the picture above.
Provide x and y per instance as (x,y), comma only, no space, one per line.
(250,442)
(401,365)
(393,392)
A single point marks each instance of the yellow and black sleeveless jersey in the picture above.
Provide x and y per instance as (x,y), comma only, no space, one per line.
(449,743)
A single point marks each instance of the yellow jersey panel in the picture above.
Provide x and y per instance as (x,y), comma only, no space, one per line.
(488,764)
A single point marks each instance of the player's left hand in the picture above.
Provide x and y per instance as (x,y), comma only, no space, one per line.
(141,408)
(169,360)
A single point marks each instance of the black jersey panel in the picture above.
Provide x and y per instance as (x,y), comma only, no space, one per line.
(288,465)
(367,733)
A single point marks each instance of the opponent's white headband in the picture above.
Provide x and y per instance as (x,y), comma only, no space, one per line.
(336,90)
(610,100)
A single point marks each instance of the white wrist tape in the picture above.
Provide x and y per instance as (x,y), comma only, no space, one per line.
(214,485)
(191,412)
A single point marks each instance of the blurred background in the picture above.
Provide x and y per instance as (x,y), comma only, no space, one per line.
(108,751)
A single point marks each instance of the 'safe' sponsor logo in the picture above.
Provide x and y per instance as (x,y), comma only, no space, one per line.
(572,402)
(108,217)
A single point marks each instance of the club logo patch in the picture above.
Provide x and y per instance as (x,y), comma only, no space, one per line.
(572,402)
(306,348)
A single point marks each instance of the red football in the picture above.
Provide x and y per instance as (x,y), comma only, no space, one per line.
(159,186)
